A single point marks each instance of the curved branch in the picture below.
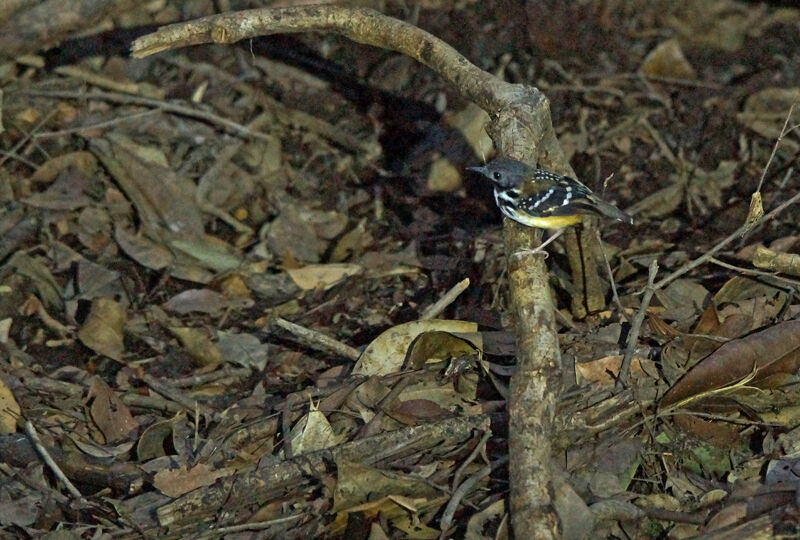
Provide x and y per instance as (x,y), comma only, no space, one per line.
(358,24)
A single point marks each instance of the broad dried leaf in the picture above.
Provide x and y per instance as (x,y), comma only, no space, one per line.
(82,161)
(479,522)
(9,410)
(668,60)
(437,347)
(455,398)
(443,176)
(163,199)
(576,517)
(661,203)
(710,185)
(765,112)
(313,432)
(387,353)
(103,330)
(322,276)
(22,512)
(755,213)
(243,349)
(300,234)
(143,250)
(102,451)
(198,344)
(721,24)
(47,288)
(206,251)
(177,482)
(203,301)
(603,370)
(409,411)
(66,193)
(771,351)
(152,441)
(109,413)
(718,434)
(95,280)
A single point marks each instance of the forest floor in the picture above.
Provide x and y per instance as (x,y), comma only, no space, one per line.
(252,291)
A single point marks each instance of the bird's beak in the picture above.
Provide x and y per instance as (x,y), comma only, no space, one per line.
(477,169)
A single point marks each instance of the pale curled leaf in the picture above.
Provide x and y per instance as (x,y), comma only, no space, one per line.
(103,330)
(387,353)
(315,276)
(198,344)
(9,410)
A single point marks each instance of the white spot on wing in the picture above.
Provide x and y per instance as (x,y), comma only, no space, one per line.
(546,196)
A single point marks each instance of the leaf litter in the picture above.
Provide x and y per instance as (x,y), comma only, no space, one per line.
(150,249)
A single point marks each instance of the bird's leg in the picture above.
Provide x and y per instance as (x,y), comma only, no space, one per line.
(539,249)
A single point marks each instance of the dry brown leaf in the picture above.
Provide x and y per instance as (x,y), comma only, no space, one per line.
(151,443)
(771,351)
(443,176)
(765,113)
(719,434)
(66,193)
(177,482)
(199,345)
(603,370)
(9,410)
(292,236)
(409,411)
(203,301)
(48,171)
(387,353)
(111,416)
(668,60)
(313,432)
(436,347)
(162,198)
(721,24)
(103,330)
(142,250)
(322,276)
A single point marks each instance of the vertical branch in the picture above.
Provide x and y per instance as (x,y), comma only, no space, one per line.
(533,391)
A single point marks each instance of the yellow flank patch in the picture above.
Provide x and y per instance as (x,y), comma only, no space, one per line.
(551,222)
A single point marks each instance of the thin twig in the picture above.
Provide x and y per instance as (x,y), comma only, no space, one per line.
(747,225)
(435,309)
(189,404)
(462,490)
(318,340)
(253,526)
(474,454)
(611,277)
(722,243)
(28,136)
(636,327)
(99,125)
(49,461)
(750,272)
(211,118)
(783,134)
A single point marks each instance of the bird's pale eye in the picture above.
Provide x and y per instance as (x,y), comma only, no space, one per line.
(497,176)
